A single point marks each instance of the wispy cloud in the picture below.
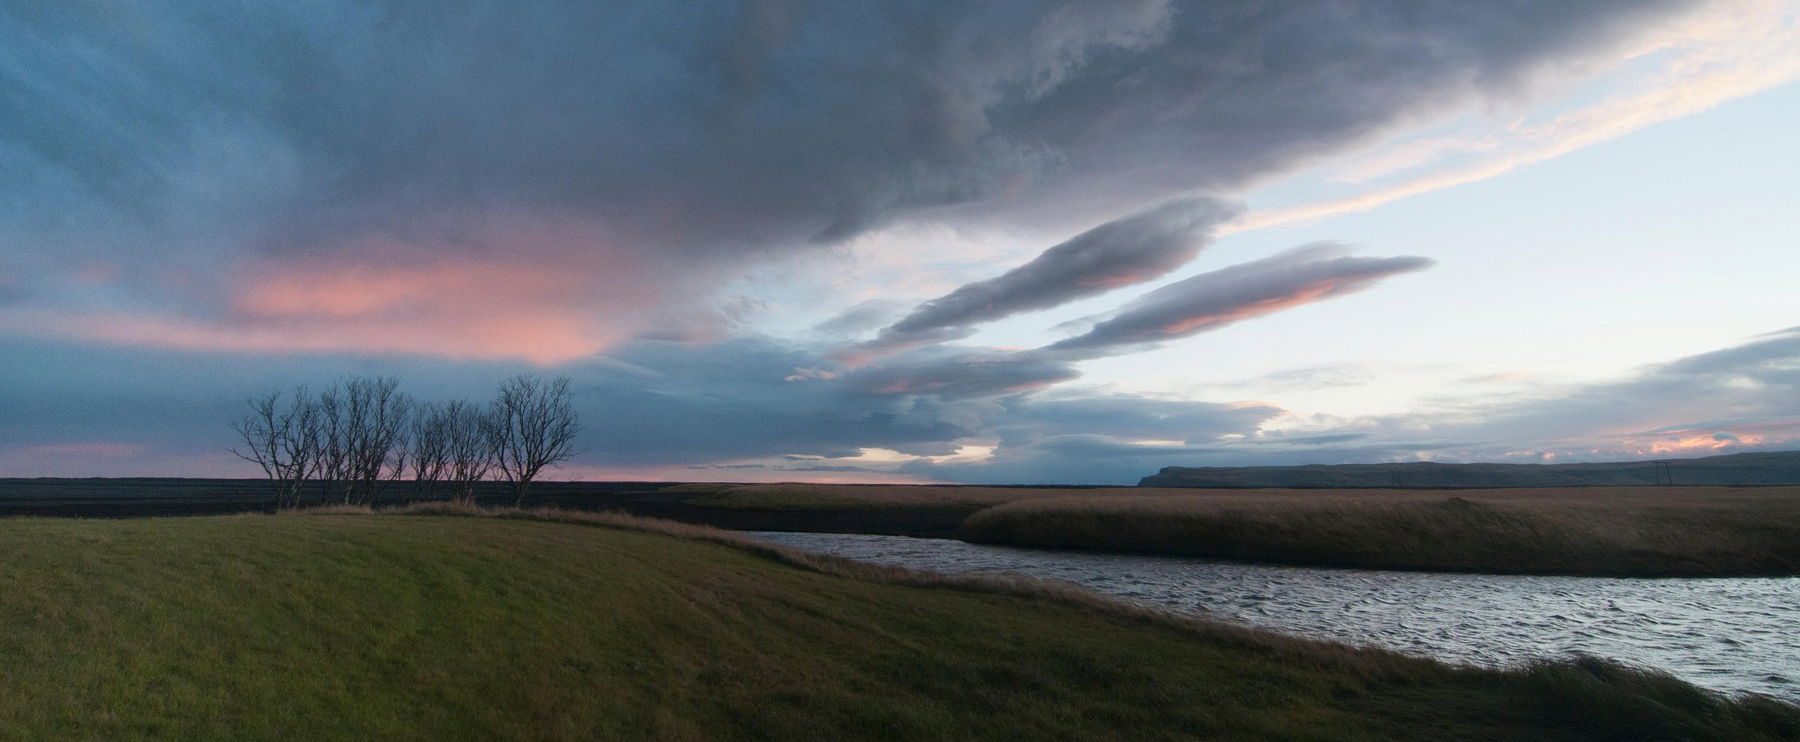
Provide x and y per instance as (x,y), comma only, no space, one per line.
(1119,253)
(1304,275)
(1208,301)
(1697,61)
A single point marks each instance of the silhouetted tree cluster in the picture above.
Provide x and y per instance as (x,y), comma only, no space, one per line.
(357,436)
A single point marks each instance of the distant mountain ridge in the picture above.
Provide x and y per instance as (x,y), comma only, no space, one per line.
(1780,467)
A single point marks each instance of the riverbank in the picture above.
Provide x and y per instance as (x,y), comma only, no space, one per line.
(1730,634)
(352,626)
(898,510)
(902,510)
(1582,531)
(1593,531)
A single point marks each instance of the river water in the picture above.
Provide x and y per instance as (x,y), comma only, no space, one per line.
(1729,634)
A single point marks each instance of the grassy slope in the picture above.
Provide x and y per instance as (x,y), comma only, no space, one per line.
(1595,531)
(360,627)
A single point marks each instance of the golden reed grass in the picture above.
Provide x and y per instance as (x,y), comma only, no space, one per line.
(1658,531)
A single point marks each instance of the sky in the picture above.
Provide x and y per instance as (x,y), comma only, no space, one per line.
(1020,241)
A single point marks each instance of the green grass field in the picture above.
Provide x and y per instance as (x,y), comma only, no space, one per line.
(348,626)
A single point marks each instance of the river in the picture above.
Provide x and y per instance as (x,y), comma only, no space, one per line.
(1729,634)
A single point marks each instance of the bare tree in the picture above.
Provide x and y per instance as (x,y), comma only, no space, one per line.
(380,453)
(468,447)
(363,424)
(532,425)
(283,439)
(430,448)
(335,441)
(396,462)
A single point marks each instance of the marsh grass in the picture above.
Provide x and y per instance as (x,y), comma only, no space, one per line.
(538,624)
(1685,531)
(804,496)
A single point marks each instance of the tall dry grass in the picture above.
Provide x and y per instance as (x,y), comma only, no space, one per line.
(806,496)
(1689,531)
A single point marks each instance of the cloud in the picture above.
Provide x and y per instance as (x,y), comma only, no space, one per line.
(735,399)
(1209,301)
(1741,398)
(1119,253)
(1301,276)
(12,288)
(1699,61)
(649,152)
(653,409)
(1667,410)
(660,410)
(865,316)
(960,372)
(291,192)
(1749,394)
(1137,417)
(1087,438)
(1305,378)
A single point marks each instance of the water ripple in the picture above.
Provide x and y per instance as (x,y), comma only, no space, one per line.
(1732,634)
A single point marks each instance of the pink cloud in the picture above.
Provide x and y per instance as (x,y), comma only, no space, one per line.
(1301,296)
(680,473)
(537,337)
(1303,275)
(1703,439)
(542,290)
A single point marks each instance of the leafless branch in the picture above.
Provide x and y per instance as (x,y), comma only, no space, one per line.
(533,425)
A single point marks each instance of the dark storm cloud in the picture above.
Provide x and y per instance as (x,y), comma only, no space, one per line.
(147,130)
(1119,253)
(1212,300)
(312,177)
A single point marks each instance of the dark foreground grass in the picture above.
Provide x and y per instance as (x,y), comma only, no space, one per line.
(1618,531)
(351,626)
